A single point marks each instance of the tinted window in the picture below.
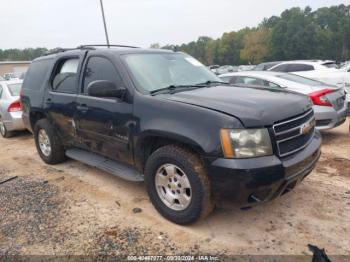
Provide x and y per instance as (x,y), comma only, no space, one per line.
(15,89)
(330,65)
(280,68)
(65,80)
(99,68)
(36,74)
(0,91)
(299,68)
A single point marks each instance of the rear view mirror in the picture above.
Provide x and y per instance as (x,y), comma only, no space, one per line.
(104,88)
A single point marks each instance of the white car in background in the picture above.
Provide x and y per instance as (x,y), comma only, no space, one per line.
(10,108)
(322,70)
(329,100)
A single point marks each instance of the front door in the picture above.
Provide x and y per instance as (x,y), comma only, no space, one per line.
(103,124)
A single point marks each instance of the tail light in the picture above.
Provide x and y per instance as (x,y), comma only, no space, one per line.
(319,97)
(15,107)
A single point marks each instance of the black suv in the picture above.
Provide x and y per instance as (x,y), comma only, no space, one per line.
(163,117)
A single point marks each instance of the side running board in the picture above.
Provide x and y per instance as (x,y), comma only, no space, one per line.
(111,166)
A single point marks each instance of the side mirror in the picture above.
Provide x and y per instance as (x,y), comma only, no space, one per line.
(105,88)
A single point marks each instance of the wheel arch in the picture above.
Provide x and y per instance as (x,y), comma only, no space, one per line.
(151,141)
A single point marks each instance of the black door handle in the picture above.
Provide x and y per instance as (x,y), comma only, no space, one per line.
(48,101)
(83,108)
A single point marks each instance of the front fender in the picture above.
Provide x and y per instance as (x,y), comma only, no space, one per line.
(187,124)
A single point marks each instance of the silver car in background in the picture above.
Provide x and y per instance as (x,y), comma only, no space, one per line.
(10,108)
(329,101)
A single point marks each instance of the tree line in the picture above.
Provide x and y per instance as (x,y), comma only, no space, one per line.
(295,34)
(26,54)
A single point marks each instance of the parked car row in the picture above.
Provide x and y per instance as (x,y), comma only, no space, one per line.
(162,117)
(219,70)
(326,71)
(328,100)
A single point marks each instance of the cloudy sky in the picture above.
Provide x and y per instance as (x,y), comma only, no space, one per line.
(69,23)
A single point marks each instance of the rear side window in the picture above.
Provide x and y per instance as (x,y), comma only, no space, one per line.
(280,68)
(36,74)
(299,67)
(15,89)
(65,79)
(99,68)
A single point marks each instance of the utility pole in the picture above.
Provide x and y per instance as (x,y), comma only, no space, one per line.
(104,23)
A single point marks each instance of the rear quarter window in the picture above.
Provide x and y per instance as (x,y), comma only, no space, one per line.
(280,68)
(300,67)
(36,74)
(15,89)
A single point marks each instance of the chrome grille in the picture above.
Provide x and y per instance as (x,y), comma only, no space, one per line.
(295,133)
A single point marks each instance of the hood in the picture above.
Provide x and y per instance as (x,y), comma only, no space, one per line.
(255,107)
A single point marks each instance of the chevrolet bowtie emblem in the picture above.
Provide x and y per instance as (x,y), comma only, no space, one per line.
(305,128)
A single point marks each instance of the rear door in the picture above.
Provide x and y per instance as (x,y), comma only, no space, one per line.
(104,124)
(60,100)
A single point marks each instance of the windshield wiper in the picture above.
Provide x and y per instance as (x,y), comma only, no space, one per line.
(173,88)
(210,82)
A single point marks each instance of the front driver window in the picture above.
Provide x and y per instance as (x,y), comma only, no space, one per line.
(99,68)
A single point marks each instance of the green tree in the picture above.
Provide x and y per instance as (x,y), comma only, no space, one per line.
(256,46)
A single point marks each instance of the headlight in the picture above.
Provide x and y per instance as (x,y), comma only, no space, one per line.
(245,143)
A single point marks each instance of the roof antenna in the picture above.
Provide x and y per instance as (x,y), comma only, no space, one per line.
(104,23)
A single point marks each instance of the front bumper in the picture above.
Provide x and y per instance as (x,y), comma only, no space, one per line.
(13,121)
(249,181)
(327,117)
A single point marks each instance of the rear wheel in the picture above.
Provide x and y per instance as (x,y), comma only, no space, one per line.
(178,185)
(48,144)
(3,131)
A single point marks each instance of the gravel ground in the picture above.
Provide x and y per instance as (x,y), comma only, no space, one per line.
(72,209)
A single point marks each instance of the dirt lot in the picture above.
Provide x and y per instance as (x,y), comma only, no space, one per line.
(74,209)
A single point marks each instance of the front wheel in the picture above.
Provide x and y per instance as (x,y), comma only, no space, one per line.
(48,144)
(178,185)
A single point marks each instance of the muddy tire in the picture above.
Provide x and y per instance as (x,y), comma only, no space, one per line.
(48,143)
(178,185)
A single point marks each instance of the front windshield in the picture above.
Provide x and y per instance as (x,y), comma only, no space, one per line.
(300,79)
(161,70)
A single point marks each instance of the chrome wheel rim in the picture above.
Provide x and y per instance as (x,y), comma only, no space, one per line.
(44,143)
(173,187)
(2,128)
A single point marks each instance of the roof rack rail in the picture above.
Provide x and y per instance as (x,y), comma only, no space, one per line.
(91,47)
(98,45)
(58,50)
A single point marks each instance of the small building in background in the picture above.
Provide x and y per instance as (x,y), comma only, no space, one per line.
(15,67)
